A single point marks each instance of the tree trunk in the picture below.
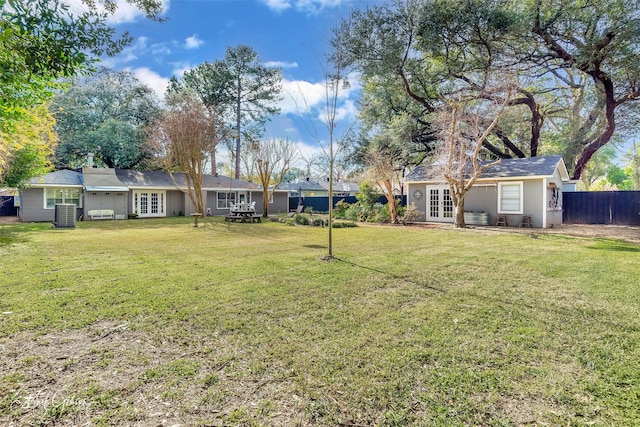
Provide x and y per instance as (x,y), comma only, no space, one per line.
(458,221)
(238,117)
(265,202)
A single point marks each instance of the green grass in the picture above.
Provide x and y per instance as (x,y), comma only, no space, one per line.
(249,324)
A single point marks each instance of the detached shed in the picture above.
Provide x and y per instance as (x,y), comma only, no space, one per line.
(510,189)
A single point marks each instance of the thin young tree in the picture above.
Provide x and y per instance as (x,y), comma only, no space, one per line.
(272,158)
(465,124)
(186,133)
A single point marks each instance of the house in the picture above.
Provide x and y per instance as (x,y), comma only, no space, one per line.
(319,188)
(512,188)
(144,194)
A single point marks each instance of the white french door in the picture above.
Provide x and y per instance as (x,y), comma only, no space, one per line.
(439,203)
(150,203)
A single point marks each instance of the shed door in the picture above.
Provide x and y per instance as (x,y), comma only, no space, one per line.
(439,203)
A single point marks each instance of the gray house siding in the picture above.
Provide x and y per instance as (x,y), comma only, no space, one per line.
(115,200)
(483,198)
(33,199)
(420,203)
(280,203)
(212,204)
(175,203)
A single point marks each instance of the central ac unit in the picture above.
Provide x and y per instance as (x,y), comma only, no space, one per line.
(65,216)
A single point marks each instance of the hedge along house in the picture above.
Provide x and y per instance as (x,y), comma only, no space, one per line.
(511,189)
(143,193)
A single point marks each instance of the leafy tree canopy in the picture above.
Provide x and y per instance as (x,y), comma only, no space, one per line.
(105,114)
(574,65)
(42,41)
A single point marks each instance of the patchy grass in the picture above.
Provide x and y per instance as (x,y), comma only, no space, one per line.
(157,322)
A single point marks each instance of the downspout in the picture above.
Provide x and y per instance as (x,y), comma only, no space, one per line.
(545,202)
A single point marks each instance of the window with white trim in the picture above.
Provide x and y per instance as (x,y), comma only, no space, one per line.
(55,196)
(510,198)
(224,200)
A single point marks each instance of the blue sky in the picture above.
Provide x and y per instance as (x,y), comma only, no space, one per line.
(292,34)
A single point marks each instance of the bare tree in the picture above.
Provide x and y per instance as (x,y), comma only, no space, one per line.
(382,172)
(465,124)
(272,158)
(186,133)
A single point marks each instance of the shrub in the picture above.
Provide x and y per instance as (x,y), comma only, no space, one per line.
(344,224)
(340,209)
(308,210)
(410,214)
(301,219)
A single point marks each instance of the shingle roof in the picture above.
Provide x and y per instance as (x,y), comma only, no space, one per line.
(63,177)
(507,168)
(302,185)
(160,179)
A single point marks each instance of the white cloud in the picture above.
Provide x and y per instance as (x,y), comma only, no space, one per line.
(302,97)
(193,42)
(152,79)
(278,5)
(305,6)
(281,64)
(125,12)
(181,67)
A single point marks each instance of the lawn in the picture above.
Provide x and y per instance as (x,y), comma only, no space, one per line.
(148,322)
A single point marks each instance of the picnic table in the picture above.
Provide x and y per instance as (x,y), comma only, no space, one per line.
(243,212)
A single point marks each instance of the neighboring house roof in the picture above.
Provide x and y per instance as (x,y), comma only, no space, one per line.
(63,178)
(302,185)
(530,167)
(342,187)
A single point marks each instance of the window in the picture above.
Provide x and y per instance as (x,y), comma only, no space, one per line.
(510,197)
(55,196)
(225,200)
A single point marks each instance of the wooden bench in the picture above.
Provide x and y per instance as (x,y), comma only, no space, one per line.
(100,214)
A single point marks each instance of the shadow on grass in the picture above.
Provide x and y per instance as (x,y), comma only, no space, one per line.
(614,245)
(566,313)
(17,233)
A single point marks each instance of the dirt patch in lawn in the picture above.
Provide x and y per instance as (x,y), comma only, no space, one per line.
(112,374)
(627,233)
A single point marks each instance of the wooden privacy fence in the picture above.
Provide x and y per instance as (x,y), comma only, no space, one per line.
(6,206)
(601,207)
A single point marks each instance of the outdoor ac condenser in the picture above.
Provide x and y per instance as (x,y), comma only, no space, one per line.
(65,216)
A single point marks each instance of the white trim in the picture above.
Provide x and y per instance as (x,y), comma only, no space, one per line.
(520,196)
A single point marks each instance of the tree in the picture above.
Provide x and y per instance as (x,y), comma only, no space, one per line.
(464,131)
(398,84)
(185,134)
(43,41)
(26,152)
(547,48)
(384,175)
(272,159)
(240,88)
(105,114)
